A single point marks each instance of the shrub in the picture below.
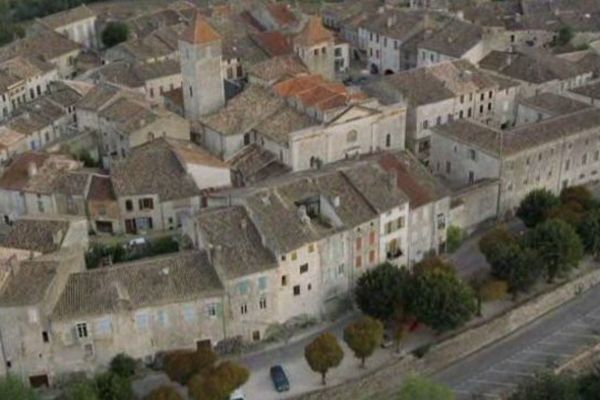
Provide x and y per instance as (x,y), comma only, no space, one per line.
(113,387)
(123,365)
(164,393)
(180,366)
(493,290)
(454,238)
(13,389)
(114,33)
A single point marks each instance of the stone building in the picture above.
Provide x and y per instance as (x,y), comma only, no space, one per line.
(201,56)
(553,154)
(442,93)
(78,24)
(315,47)
(544,106)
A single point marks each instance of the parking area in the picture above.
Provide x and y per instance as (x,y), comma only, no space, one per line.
(549,351)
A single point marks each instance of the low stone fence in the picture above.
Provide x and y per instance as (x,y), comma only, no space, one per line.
(386,378)
(585,361)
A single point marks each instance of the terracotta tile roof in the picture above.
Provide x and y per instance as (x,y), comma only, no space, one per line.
(277,68)
(101,189)
(200,32)
(16,175)
(313,33)
(274,43)
(314,91)
(282,14)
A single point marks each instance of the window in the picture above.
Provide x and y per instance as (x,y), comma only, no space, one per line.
(438,120)
(284,280)
(567,165)
(244,287)
(212,309)
(244,309)
(372,256)
(311,248)
(448,167)
(262,283)
(388,140)
(352,136)
(341,269)
(358,262)
(45,337)
(146,204)
(490,94)
(191,92)
(450,117)
(358,244)
(471,177)
(400,222)
(162,317)
(425,124)
(189,313)
(303,268)
(462,98)
(294,256)
(371,238)
(262,303)
(128,205)
(256,336)
(82,331)
(297,290)
(584,159)
(472,154)
(469,112)
(482,96)
(461,114)
(597,155)
(441,221)
(388,228)
(142,321)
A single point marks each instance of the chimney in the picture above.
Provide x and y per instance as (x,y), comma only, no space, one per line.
(32,169)
(57,237)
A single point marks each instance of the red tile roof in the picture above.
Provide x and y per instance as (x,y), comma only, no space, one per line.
(274,43)
(314,91)
(314,33)
(282,14)
(16,175)
(200,32)
(101,189)
(418,194)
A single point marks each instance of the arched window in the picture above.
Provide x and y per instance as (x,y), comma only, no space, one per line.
(352,136)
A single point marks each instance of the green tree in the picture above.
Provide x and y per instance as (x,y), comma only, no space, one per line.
(379,291)
(218,383)
(565,34)
(14,389)
(518,266)
(82,391)
(324,353)
(557,245)
(454,238)
(114,33)
(164,393)
(418,388)
(535,206)
(438,298)
(489,242)
(589,232)
(113,387)
(589,385)
(123,365)
(547,386)
(363,337)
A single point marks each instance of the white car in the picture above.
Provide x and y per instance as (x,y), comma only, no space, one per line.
(237,395)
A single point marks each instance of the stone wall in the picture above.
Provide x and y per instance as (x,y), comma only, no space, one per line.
(461,344)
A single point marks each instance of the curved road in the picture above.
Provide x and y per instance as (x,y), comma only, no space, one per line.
(497,369)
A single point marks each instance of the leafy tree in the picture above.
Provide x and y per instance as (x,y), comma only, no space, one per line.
(379,291)
(547,386)
(557,245)
(113,387)
(123,365)
(418,388)
(363,337)
(577,195)
(489,242)
(535,206)
(164,393)
(180,366)
(454,238)
(518,266)
(589,386)
(82,391)
(14,389)
(323,354)
(589,232)
(438,298)
(565,34)
(114,33)
(434,263)
(572,213)
(218,383)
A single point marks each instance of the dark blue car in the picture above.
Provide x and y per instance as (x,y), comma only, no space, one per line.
(280,380)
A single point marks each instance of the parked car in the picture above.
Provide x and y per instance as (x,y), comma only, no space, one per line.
(280,380)
(386,340)
(237,395)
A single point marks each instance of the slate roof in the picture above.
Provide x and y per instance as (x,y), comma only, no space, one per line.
(29,285)
(43,235)
(236,246)
(97,97)
(175,278)
(153,168)
(101,189)
(282,123)
(591,90)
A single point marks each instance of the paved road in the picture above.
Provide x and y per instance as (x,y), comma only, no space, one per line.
(557,336)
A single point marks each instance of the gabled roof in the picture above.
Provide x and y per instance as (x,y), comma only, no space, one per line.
(313,33)
(44,235)
(70,16)
(200,32)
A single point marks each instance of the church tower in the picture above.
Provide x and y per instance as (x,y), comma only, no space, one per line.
(315,46)
(200,55)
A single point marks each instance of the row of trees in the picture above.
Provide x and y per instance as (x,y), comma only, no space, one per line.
(431,294)
(548,386)
(560,229)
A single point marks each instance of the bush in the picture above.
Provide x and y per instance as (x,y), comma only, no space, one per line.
(454,238)
(493,290)
(163,245)
(82,391)
(534,208)
(13,389)
(123,365)
(421,351)
(114,33)
(113,387)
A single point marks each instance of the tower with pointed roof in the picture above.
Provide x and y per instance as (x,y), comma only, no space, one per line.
(315,46)
(200,55)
